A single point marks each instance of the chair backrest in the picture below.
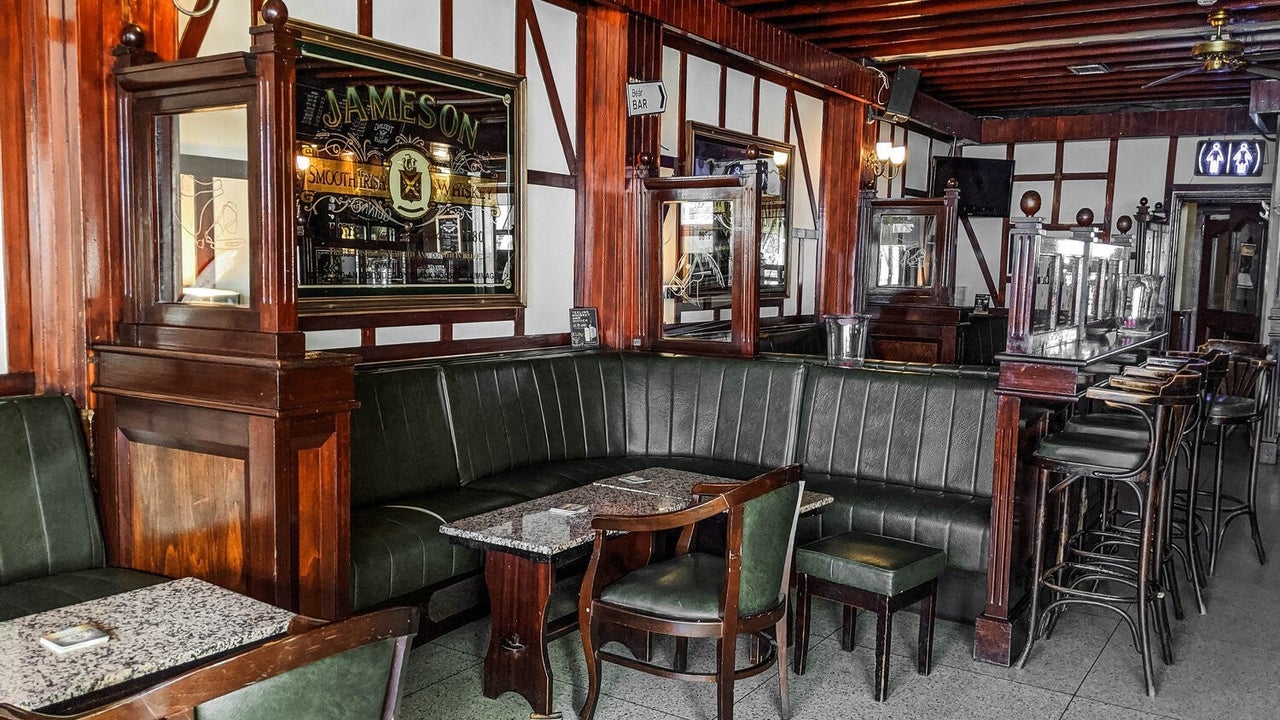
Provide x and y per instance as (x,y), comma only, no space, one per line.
(48,519)
(762,529)
(1247,370)
(349,669)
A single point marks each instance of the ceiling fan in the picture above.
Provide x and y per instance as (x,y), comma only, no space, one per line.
(1219,53)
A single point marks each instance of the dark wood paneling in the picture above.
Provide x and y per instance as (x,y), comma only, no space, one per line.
(1118,125)
(341,321)
(552,179)
(446,28)
(20,383)
(842,137)
(447,346)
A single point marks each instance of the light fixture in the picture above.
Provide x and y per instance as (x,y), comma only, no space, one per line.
(780,158)
(887,160)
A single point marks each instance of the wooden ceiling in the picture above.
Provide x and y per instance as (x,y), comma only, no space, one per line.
(996,58)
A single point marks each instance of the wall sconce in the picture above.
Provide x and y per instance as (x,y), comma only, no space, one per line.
(887,160)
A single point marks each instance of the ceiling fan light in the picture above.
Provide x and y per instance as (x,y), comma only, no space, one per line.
(1090,69)
(1206,3)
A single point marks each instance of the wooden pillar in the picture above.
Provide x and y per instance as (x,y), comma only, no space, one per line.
(841,173)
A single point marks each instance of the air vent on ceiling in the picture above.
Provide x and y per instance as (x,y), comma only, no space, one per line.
(1090,69)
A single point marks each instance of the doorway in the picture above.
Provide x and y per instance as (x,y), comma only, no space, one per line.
(1232,242)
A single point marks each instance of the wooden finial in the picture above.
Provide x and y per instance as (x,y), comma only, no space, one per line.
(753,151)
(952,184)
(1124,224)
(275,12)
(1030,203)
(1084,217)
(132,36)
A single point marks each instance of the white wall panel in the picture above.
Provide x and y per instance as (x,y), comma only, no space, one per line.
(990,233)
(669,135)
(484,32)
(702,96)
(549,260)
(809,272)
(1077,194)
(992,152)
(560,34)
(919,151)
(332,339)
(739,101)
(1085,156)
(1035,158)
(229,28)
(406,335)
(412,23)
(773,111)
(1141,165)
(339,14)
(476,331)
(810,111)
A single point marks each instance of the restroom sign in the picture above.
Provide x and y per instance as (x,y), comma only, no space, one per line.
(1229,158)
(646,98)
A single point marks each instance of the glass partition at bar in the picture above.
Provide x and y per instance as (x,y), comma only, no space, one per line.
(903,251)
(408,178)
(204,207)
(697,268)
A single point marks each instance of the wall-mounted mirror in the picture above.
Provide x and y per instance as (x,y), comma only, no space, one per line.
(716,151)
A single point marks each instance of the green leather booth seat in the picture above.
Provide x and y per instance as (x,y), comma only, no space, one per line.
(906,452)
(51,548)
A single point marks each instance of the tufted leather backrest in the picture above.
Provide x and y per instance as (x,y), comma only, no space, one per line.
(511,413)
(48,521)
(923,430)
(401,439)
(720,408)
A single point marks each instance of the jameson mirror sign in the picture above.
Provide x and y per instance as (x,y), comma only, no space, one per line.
(408,175)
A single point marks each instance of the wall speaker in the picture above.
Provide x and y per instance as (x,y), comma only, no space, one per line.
(902,92)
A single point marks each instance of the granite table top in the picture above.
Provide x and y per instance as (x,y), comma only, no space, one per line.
(534,528)
(151,630)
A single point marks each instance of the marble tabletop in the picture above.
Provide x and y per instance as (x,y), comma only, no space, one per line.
(152,629)
(533,528)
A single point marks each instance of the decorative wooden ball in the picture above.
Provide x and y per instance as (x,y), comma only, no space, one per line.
(275,12)
(1124,224)
(133,36)
(1030,203)
(1084,217)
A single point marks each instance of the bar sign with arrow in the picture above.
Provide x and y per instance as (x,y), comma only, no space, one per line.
(646,98)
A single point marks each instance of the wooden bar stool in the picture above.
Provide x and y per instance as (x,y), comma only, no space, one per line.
(869,572)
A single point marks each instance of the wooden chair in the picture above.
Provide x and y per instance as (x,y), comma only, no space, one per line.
(696,594)
(348,669)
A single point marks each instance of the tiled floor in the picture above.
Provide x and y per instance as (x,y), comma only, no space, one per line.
(1228,664)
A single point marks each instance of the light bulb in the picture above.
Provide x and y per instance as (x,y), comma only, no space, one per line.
(898,155)
(780,158)
(883,151)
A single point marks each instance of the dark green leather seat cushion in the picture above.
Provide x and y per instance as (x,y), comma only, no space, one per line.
(1093,451)
(686,587)
(49,593)
(547,478)
(876,563)
(350,685)
(1115,424)
(398,548)
(958,524)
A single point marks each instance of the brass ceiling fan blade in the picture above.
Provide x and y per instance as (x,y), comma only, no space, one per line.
(1157,65)
(1175,76)
(1263,71)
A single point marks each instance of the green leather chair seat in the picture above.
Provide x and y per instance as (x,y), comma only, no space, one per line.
(544,479)
(396,549)
(1229,407)
(1100,452)
(1116,424)
(68,588)
(875,563)
(959,524)
(686,587)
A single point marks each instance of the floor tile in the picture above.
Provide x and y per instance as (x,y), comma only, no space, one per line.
(430,664)
(1085,709)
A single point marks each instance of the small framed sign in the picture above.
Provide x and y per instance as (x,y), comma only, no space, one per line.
(584,327)
(1229,158)
(981,303)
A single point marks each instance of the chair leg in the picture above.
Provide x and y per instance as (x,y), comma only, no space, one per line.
(848,627)
(802,622)
(727,648)
(924,652)
(589,652)
(1037,565)
(680,662)
(884,640)
(784,695)
(1252,496)
(1215,520)
(1193,547)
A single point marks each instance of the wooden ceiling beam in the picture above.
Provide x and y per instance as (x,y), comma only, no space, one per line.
(1168,123)
(876,11)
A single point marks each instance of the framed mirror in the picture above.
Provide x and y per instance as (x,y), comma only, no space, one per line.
(718,152)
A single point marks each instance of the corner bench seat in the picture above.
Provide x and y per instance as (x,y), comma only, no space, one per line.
(51,548)
(458,438)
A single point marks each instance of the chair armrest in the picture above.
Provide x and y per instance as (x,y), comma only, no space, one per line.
(713,488)
(660,521)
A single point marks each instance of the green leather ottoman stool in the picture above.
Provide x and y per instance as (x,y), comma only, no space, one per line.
(869,572)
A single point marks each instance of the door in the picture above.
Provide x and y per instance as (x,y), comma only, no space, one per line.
(1232,246)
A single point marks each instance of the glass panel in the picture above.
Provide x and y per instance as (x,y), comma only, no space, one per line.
(405,183)
(1045,310)
(210,208)
(1067,285)
(697,268)
(905,251)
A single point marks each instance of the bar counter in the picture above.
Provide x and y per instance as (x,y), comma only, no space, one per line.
(1044,377)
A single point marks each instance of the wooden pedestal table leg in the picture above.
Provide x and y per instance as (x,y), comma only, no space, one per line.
(519,590)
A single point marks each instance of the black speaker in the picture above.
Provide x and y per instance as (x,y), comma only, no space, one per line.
(901,94)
